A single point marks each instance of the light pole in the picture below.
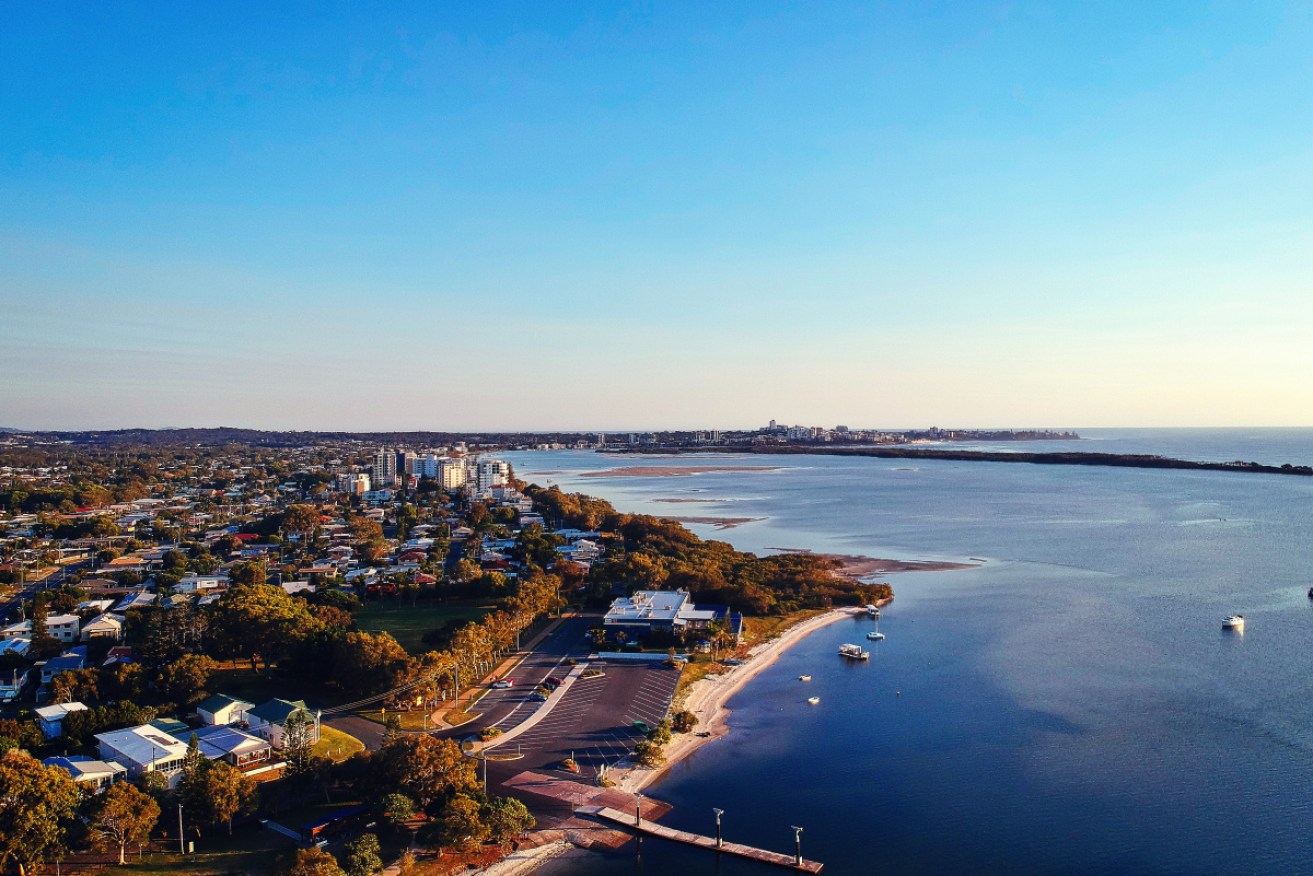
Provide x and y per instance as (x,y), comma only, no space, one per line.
(638,809)
(181,848)
(719,812)
(797,841)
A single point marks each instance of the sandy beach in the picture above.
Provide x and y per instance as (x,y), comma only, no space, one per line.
(718,522)
(856,567)
(708,696)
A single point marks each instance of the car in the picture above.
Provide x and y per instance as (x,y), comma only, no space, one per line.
(537,698)
(552,681)
(503,683)
(641,727)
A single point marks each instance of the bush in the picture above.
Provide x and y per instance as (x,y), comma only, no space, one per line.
(684,721)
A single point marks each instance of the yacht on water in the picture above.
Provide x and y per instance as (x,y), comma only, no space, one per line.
(804,678)
(813,700)
(1234,622)
(874,611)
(875,635)
(854,652)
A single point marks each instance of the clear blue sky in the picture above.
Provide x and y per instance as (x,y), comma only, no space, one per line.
(542,215)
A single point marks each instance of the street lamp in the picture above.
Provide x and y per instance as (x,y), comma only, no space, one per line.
(797,840)
(719,812)
(638,809)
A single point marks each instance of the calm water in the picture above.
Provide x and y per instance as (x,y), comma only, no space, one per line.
(1070,707)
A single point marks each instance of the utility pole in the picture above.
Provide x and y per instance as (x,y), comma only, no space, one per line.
(181,848)
(638,809)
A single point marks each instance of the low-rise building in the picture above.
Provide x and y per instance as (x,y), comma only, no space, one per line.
(221,710)
(105,626)
(51,718)
(231,745)
(94,775)
(60,627)
(269,720)
(142,750)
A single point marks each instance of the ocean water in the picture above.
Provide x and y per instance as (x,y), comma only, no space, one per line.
(1070,706)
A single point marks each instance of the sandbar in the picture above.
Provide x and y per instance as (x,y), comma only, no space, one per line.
(718,522)
(672,471)
(855,566)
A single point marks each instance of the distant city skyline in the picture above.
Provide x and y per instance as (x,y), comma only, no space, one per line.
(679,216)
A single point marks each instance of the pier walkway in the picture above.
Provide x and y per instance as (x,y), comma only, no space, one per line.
(650,828)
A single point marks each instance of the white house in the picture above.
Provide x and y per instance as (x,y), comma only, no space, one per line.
(96,775)
(221,710)
(144,749)
(105,626)
(268,720)
(51,718)
(233,746)
(61,627)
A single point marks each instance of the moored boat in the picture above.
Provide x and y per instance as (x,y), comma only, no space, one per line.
(875,635)
(813,700)
(804,678)
(872,611)
(854,652)
(1234,622)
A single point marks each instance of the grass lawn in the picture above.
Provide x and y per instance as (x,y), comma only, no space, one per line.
(412,720)
(336,745)
(235,678)
(251,849)
(409,624)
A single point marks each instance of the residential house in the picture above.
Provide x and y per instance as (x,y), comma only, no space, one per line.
(268,720)
(232,745)
(61,627)
(51,718)
(142,750)
(220,710)
(94,775)
(105,626)
(73,658)
(12,682)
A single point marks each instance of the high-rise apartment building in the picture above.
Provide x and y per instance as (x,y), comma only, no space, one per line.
(385,469)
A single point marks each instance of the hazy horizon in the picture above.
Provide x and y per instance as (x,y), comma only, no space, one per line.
(342,217)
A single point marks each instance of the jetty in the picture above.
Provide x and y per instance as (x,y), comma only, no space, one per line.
(629,821)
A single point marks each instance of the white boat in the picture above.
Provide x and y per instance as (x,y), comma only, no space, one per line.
(873,611)
(804,678)
(813,700)
(875,635)
(1234,622)
(854,652)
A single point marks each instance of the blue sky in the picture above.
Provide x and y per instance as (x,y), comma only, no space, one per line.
(500,215)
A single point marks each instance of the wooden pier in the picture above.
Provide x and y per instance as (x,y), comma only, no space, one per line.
(651,828)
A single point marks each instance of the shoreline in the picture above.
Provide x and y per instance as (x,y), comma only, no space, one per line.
(708,696)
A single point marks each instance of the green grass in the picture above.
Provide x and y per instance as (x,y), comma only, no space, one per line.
(408,625)
(250,849)
(336,745)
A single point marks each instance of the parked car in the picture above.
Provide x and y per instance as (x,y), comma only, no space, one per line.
(641,727)
(503,683)
(537,698)
(552,681)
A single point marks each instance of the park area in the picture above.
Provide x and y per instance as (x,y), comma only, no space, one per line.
(409,623)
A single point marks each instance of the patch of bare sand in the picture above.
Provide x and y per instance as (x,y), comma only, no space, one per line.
(672,471)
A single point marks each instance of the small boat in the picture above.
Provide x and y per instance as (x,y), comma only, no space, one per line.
(872,611)
(854,652)
(1234,622)
(804,678)
(1310,593)
(875,635)
(813,700)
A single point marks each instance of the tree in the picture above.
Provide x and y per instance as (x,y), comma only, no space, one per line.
(229,793)
(507,818)
(648,754)
(461,824)
(426,769)
(366,663)
(42,642)
(660,734)
(301,520)
(248,572)
(298,733)
(261,622)
(74,685)
(183,681)
(36,801)
(396,808)
(122,815)
(362,856)
(311,862)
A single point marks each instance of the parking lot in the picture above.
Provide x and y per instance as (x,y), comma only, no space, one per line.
(593,722)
